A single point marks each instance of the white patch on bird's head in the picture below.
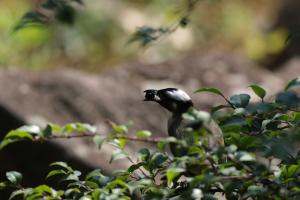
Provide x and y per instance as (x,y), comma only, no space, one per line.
(179,95)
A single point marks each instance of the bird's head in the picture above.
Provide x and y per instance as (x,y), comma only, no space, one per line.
(173,99)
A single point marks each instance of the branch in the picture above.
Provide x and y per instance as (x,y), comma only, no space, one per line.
(88,134)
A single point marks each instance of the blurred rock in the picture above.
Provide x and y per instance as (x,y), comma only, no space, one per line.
(66,96)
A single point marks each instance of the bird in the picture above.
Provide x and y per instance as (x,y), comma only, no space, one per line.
(179,102)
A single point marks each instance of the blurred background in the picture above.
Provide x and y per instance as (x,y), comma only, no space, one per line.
(99,35)
(92,60)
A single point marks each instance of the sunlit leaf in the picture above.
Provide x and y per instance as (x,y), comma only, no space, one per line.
(55,172)
(16,193)
(99,140)
(172,173)
(15,136)
(118,154)
(143,134)
(121,129)
(62,165)
(259,91)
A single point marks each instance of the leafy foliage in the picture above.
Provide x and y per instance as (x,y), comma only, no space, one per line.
(60,10)
(259,159)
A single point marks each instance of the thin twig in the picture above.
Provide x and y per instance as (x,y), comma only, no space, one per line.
(88,134)
(138,168)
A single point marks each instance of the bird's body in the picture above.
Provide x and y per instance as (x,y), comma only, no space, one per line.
(178,102)
(173,99)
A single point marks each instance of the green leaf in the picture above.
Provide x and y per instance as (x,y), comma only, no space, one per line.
(41,190)
(121,129)
(30,19)
(255,190)
(143,134)
(122,142)
(240,100)
(14,177)
(92,174)
(172,173)
(217,108)
(158,159)
(210,90)
(289,171)
(288,99)
(73,176)
(260,108)
(161,144)
(134,167)
(144,154)
(16,193)
(234,120)
(118,154)
(62,165)
(33,129)
(99,140)
(55,172)
(79,128)
(2,185)
(15,136)
(244,156)
(293,83)
(259,91)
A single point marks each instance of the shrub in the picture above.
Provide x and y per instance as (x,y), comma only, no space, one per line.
(255,134)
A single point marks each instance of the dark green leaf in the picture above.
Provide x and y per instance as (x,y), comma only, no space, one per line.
(144,154)
(288,99)
(260,108)
(14,177)
(293,83)
(259,91)
(240,100)
(134,167)
(158,159)
(217,108)
(255,190)
(211,90)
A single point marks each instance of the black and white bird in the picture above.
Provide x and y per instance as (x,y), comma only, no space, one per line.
(179,102)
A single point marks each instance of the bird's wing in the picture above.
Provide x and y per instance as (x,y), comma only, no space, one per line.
(173,94)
